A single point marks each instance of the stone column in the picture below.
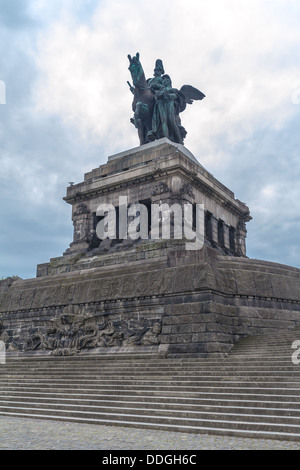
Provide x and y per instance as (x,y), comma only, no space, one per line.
(226,236)
(81,218)
(214,223)
(241,234)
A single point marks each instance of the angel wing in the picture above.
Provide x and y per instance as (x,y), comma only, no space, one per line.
(190,93)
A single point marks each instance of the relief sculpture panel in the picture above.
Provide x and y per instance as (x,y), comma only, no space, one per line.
(71,333)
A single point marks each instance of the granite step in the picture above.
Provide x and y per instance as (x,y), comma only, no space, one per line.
(157,386)
(219,426)
(247,365)
(243,400)
(241,394)
(153,414)
(81,403)
(254,391)
(213,379)
(165,383)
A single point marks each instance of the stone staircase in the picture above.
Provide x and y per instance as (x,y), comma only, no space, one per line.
(253,392)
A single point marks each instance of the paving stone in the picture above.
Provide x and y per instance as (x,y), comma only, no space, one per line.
(28,434)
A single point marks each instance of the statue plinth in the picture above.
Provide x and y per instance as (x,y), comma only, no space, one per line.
(151,294)
(159,172)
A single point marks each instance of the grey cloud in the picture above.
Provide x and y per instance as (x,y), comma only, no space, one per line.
(38,226)
(38,156)
(269,158)
(41,151)
(15,14)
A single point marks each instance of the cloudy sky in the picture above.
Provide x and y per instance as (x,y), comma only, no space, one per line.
(63,72)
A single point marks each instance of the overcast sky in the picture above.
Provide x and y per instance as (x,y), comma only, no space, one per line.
(64,65)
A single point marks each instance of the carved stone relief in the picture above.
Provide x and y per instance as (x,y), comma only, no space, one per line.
(81,224)
(187,188)
(70,334)
(81,209)
(160,188)
(80,230)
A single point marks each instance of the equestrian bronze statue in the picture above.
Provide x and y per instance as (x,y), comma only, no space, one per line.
(157,105)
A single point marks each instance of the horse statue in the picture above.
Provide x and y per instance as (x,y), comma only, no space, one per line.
(157,105)
(143,101)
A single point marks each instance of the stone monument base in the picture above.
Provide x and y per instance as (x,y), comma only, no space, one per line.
(151,295)
(199,304)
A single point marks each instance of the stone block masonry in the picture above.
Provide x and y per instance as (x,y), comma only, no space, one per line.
(150,295)
(158,306)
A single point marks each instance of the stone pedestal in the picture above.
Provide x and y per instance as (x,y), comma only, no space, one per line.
(158,173)
(150,294)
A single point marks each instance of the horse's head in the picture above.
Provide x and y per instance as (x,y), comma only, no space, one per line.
(135,58)
(136,70)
